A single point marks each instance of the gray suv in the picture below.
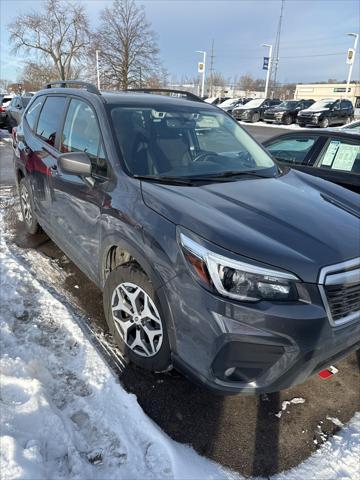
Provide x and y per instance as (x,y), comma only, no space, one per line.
(241,274)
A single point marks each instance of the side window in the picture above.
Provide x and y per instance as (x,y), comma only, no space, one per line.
(340,155)
(50,118)
(33,112)
(81,133)
(292,150)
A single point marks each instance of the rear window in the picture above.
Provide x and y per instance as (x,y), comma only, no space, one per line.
(6,100)
(50,118)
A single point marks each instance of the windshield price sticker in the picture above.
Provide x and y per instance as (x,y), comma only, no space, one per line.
(345,157)
(330,153)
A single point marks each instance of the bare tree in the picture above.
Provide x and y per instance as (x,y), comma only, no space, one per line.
(59,35)
(129,53)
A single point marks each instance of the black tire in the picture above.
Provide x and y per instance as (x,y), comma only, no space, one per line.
(27,208)
(324,122)
(287,120)
(302,125)
(131,272)
(255,118)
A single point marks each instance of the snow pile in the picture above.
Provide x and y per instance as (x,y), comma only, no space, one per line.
(338,458)
(286,403)
(64,415)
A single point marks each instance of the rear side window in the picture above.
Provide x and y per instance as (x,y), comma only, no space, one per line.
(341,155)
(292,150)
(81,133)
(33,112)
(50,118)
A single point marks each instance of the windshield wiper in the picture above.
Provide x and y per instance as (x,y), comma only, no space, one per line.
(231,173)
(165,179)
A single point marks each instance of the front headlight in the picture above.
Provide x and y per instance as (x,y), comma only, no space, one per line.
(238,280)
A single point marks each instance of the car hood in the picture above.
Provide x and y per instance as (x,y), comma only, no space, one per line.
(320,110)
(277,110)
(295,222)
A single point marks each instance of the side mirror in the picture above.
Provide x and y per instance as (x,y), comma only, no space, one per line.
(75,163)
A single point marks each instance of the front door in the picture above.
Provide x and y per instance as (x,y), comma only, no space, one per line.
(77,205)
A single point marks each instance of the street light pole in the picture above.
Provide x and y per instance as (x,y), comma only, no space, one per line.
(352,62)
(269,68)
(203,72)
(97,69)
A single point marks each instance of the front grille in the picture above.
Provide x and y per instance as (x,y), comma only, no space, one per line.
(343,300)
(340,291)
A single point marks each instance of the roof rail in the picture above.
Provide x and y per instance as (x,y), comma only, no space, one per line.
(69,83)
(184,93)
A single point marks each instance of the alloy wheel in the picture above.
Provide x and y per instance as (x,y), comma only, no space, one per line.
(137,319)
(26,205)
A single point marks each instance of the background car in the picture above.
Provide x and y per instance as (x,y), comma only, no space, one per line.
(286,112)
(332,155)
(230,104)
(4,103)
(327,112)
(15,111)
(216,100)
(254,110)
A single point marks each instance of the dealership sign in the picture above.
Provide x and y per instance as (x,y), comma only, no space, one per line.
(266,63)
(350,56)
(201,67)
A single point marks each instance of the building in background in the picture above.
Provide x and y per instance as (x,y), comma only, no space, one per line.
(318,91)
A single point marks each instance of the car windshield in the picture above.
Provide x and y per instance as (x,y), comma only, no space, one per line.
(229,102)
(26,100)
(254,103)
(288,104)
(186,142)
(321,104)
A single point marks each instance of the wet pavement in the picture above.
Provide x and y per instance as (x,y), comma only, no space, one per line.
(240,432)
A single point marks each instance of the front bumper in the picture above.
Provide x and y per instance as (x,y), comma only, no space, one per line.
(308,120)
(237,347)
(272,118)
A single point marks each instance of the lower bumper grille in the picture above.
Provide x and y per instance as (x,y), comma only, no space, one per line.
(340,291)
(343,300)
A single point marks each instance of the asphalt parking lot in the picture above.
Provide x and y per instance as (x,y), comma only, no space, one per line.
(244,433)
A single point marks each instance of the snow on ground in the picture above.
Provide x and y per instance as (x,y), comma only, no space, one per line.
(65,416)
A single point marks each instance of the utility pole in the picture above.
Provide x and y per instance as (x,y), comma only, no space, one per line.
(97,69)
(269,68)
(211,70)
(203,71)
(351,60)
(275,62)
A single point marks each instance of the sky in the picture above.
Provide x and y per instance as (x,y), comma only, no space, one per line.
(313,42)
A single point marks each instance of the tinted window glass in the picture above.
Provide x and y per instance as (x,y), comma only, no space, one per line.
(50,118)
(341,155)
(183,141)
(33,112)
(292,150)
(82,134)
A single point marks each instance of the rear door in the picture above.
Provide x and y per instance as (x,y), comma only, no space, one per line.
(76,205)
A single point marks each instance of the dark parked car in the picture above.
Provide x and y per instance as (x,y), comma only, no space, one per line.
(253,111)
(15,111)
(327,112)
(229,104)
(332,155)
(4,103)
(286,112)
(211,258)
